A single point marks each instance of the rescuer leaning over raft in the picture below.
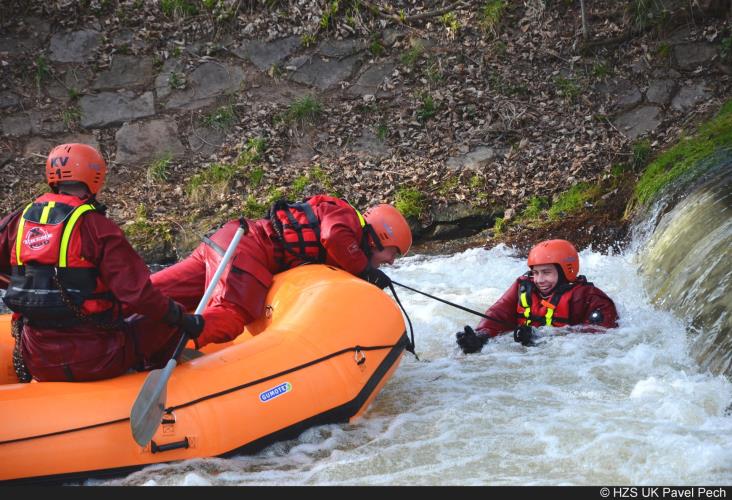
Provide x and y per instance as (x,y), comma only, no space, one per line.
(321,229)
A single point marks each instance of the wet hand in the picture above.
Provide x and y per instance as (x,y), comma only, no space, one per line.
(525,334)
(376,277)
(469,341)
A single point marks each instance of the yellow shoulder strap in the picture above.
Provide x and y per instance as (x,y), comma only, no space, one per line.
(19,235)
(78,212)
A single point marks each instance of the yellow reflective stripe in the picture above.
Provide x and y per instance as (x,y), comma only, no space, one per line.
(361,218)
(47,210)
(78,212)
(527,308)
(549,314)
(19,235)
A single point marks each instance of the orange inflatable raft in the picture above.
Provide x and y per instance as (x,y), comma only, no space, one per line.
(324,349)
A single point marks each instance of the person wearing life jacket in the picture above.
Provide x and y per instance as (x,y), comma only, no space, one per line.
(74,277)
(552,293)
(320,229)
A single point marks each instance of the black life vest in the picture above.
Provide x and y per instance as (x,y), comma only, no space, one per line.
(533,310)
(298,229)
(51,283)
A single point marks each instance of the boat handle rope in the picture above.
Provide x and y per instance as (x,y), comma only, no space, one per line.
(410,345)
(403,342)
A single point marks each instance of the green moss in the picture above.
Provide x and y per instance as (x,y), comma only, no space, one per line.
(534,207)
(410,57)
(42,73)
(306,109)
(725,48)
(182,8)
(685,156)
(318,174)
(157,171)
(641,153)
(601,69)
(299,185)
(498,226)
(256,175)
(476,181)
(427,108)
(491,14)
(221,119)
(376,48)
(252,152)
(307,39)
(71,117)
(410,202)
(253,209)
(573,200)
(213,179)
(448,186)
(567,87)
(450,21)
(151,239)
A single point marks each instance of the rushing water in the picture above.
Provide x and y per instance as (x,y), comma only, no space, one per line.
(627,407)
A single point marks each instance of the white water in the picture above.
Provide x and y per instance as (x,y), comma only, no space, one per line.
(629,407)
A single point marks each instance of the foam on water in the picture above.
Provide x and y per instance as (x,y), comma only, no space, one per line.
(626,407)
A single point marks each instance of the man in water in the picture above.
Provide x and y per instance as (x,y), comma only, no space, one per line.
(550,294)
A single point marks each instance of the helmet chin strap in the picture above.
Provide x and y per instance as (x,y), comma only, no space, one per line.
(369,237)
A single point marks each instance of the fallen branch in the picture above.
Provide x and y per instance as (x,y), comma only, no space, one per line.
(417,17)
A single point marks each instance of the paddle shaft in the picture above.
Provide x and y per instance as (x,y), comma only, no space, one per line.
(211,286)
(149,405)
(455,305)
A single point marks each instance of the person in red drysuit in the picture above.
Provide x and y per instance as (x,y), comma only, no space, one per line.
(320,229)
(551,294)
(73,279)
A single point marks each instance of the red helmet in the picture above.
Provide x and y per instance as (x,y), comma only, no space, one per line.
(390,226)
(560,252)
(76,162)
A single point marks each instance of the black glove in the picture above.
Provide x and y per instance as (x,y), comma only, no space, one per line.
(375,277)
(525,334)
(469,341)
(191,324)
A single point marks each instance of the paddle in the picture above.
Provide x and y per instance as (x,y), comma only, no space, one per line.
(147,411)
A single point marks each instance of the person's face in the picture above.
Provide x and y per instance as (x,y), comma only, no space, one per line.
(385,256)
(545,277)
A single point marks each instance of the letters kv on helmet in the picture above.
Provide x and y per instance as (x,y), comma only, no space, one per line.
(78,163)
(390,226)
(560,252)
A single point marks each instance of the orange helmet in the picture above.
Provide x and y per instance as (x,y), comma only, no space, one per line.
(560,252)
(390,226)
(76,162)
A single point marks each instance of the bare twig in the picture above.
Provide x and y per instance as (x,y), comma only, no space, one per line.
(417,17)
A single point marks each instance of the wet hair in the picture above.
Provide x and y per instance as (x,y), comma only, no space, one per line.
(560,272)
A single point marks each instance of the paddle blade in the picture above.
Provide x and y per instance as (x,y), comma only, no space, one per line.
(147,411)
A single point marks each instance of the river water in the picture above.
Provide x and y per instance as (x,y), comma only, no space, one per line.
(628,407)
